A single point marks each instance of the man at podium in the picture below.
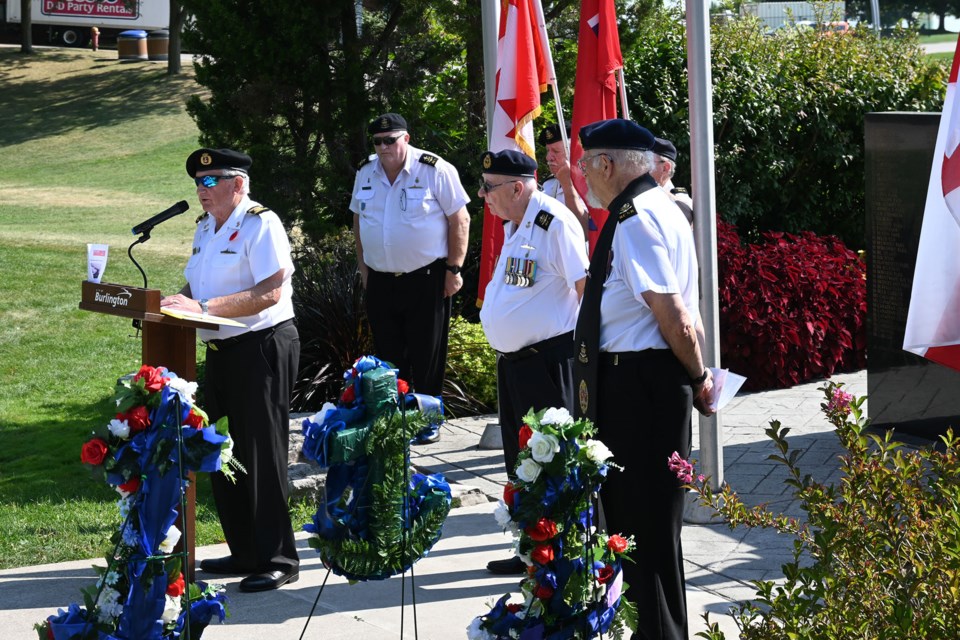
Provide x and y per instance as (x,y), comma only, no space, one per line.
(240,268)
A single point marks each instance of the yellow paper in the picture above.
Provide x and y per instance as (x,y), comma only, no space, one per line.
(190,315)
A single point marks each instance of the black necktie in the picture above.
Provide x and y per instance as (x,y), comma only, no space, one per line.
(587,335)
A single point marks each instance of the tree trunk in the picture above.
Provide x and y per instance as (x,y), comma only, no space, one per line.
(26,27)
(177,14)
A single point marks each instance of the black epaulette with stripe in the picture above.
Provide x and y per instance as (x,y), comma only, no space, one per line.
(429,159)
(365,162)
(543,220)
(200,217)
(626,211)
(258,209)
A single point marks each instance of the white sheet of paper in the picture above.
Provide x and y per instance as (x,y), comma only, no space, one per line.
(726,384)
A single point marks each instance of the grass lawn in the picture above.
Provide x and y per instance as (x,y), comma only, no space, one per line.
(89,147)
(939,37)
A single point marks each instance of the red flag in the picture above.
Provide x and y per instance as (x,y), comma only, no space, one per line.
(933,320)
(524,70)
(595,91)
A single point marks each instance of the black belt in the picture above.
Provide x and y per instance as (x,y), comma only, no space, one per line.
(226,343)
(539,347)
(422,271)
(616,357)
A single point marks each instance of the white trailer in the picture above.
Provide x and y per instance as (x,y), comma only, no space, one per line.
(777,14)
(68,22)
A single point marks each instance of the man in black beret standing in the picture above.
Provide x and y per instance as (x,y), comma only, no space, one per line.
(240,268)
(531,302)
(637,363)
(664,167)
(560,184)
(410,223)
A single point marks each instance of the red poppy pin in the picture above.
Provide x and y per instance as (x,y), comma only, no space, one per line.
(233,236)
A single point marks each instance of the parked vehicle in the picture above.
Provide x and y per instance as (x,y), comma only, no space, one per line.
(68,22)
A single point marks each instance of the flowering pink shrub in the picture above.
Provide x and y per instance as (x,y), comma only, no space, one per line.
(792,308)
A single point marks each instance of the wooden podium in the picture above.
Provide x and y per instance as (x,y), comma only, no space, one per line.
(167,342)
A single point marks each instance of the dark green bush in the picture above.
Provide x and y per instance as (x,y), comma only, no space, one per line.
(788,116)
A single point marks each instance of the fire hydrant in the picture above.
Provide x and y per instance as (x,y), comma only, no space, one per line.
(94,38)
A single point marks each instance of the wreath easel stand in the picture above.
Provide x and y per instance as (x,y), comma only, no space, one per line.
(374,509)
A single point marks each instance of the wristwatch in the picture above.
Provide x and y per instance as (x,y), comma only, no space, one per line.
(703,378)
(203,306)
(454,269)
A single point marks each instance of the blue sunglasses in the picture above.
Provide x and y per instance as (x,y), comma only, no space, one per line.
(211,181)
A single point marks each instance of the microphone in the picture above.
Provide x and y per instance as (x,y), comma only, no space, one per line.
(147,225)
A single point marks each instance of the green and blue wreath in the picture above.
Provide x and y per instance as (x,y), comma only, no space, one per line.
(377,519)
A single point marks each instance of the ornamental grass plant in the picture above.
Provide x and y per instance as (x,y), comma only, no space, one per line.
(877,555)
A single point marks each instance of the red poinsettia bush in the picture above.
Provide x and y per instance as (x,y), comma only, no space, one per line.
(792,308)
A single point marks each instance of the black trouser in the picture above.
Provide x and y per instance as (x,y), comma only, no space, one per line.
(644,409)
(410,320)
(533,378)
(250,382)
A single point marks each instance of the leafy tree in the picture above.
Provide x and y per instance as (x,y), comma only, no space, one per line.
(788,116)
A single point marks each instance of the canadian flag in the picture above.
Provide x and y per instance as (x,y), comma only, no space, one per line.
(524,70)
(933,320)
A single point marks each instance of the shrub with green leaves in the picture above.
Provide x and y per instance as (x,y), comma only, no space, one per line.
(788,114)
(878,555)
(472,366)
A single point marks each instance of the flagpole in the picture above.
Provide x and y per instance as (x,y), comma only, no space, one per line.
(490,19)
(624,108)
(705,228)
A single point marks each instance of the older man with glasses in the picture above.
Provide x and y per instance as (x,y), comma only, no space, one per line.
(240,268)
(638,365)
(411,224)
(531,302)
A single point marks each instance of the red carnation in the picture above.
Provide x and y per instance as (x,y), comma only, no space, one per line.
(514,607)
(617,544)
(543,591)
(138,418)
(542,530)
(194,420)
(153,379)
(348,395)
(176,588)
(525,434)
(542,554)
(93,451)
(509,494)
(130,486)
(402,386)
(604,574)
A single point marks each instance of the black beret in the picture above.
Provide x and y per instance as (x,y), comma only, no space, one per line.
(616,133)
(665,149)
(386,123)
(509,163)
(551,133)
(213,159)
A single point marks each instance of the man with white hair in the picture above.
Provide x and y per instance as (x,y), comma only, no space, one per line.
(637,362)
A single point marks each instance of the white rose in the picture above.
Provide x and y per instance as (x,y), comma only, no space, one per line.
(597,451)
(544,447)
(173,537)
(171,610)
(502,515)
(119,428)
(321,415)
(529,470)
(226,450)
(556,416)
(187,389)
(476,632)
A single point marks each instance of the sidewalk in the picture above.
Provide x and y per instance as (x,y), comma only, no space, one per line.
(452,586)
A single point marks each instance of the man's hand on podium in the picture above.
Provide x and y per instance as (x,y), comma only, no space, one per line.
(180,302)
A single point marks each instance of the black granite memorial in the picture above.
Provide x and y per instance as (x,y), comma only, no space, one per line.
(906,392)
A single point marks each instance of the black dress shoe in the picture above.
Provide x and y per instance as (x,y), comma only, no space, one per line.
(511,567)
(228,565)
(269,580)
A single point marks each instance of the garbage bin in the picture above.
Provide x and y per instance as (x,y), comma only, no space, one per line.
(158,44)
(132,45)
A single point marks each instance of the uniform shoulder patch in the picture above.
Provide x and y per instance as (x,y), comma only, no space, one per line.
(365,162)
(258,209)
(543,219)
(200,217)
(626,211)
(429,159)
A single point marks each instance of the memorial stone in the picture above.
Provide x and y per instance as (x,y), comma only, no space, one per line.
(906,392)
